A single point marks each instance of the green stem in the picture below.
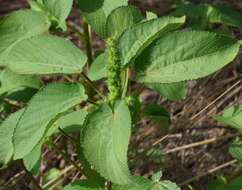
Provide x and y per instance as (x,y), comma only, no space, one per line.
(30,176)
(88,42)
(126,83)
(67,136)
(139,90)
(65,156)
(92,85)
(76,29)
(69,79)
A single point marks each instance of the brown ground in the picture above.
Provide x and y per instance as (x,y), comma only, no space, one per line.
(211,94)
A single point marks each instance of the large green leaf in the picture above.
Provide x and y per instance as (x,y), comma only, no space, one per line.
(105,141)
(11,81)
(232,116)
(235,149)
(56,10)
(83,185)
(182,56)
(122,18)
(32,161)
(17,26)
(42,111)
(135,39)
(46,55)
(98,69)
(235,184)
(171,91)
(6,133)
(210,13)
(96,13)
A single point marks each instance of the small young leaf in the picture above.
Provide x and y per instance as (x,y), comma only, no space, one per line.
(17,26)
(105,141)
(11,81)
(144,184)
(164,185)
(135,39)
(232,117)
(122,18)
(156,176)
(182,56)
(98,69)
(6,133)
(33,159)
(58,11)
(140,184)
(96,13)
(151,15)
(43,110)
(171,91)
(235,149)
(46,55)
(83,185)
(50,175)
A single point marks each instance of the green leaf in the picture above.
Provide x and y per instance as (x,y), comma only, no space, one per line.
(36,5)
(6,133)
(164,185)
(32,161)
(217,184)
(122,18)
(42,111)
(157,114)
(171,91)
(232,116)
(17,26)
(59,11)
(105,141)
(73,121)
(11,81)
(156,176)
(83,185)
(50,175)
(151,15)
(56,10)
(144,184)
(235,149)
(46,55)
(91,174)
(98,69)
(96,13)
(214,14)
(135,39)
(235,184)
(182,56)
(21,95)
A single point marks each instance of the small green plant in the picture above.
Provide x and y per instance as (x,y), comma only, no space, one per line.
(151,51)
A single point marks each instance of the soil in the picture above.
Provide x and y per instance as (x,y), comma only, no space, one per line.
(191,122)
